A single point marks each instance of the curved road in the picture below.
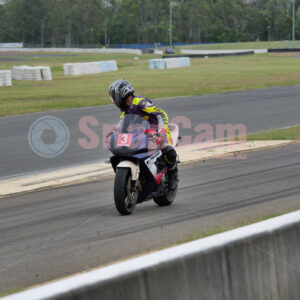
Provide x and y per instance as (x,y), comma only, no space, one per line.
(57,232)
(257,109)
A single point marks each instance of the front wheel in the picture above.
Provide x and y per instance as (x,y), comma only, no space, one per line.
(124,195)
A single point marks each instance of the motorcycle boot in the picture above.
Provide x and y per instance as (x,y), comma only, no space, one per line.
(173,177)
(170,157)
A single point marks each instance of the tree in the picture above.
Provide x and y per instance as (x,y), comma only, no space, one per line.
(89,22)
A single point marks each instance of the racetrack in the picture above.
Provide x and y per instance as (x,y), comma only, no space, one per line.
(257,109)
(56,232)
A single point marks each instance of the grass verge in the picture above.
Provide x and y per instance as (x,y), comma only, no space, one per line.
(205,76)
(245,45)
(202,234)
(292,133)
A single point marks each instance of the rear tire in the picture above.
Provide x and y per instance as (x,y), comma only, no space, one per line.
(125,199)
(167,198)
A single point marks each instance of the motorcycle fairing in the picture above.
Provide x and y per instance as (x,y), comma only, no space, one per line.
(154,164)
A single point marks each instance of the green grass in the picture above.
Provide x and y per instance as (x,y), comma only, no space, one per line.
(205,76)
(12,292)
(245,45)
(292,133)
(219,229)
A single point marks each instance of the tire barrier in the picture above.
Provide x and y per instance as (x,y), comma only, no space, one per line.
(206,52)
(215,54)
(284,50)
(259,261)
(169,63)
(90,67)
(32,73)
(5,78)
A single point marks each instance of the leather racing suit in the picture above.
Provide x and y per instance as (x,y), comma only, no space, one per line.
(148,111)
(156,116)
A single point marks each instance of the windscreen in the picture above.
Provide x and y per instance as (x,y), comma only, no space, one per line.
(128,137)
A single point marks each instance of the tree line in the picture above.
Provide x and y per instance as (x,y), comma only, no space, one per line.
(109,22)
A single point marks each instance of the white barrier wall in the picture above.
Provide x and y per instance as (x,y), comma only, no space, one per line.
(259,261)
(157,64)
(5,78)
(90,67)
(177,62)
(11,45)
(32,73)
(93,50)
(169,63)
(156,51)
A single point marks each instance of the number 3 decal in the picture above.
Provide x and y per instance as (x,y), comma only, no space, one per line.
(124,139)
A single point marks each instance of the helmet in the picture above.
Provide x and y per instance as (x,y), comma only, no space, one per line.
(119,90)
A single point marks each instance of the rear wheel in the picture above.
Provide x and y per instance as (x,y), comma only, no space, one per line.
(167,198)
(124,194)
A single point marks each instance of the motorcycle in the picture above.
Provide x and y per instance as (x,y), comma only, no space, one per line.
(137,159)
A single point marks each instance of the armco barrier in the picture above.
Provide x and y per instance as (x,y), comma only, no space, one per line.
(259,261)
(5,78)
(90,67)
(32,73)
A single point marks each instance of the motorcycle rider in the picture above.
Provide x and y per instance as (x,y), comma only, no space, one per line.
(122,95)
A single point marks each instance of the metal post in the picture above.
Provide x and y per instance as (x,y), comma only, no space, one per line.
(293,20)
(171,23)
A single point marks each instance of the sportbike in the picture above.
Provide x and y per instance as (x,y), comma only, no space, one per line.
(137,159)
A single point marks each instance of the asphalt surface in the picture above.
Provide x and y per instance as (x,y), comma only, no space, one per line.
(257,109)
(57,232)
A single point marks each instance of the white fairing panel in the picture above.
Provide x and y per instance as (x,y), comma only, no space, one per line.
(174,133)
(135,170)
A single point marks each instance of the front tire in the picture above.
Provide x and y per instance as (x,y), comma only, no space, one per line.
(125,198)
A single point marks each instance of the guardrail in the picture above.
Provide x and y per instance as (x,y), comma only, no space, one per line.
(259,261)
(5,78)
